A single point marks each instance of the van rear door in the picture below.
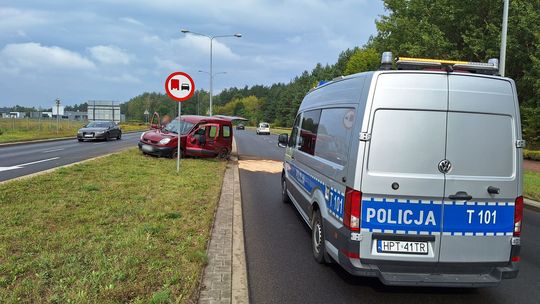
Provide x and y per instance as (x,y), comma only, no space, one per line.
(481,136)
(402,188)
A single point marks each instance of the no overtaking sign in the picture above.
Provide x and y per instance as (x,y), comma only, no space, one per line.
(180,86)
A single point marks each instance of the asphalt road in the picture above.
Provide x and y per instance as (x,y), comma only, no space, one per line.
(280,264)
(26,159)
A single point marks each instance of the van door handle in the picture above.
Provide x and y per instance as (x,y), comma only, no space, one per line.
(460,195)
(493,190)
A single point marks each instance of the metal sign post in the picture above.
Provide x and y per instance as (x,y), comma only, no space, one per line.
(180,87)
(179,137)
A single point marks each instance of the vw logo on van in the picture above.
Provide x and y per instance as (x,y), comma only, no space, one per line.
(444,166)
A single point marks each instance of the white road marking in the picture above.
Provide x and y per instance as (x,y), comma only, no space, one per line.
(37,162)
(26,164)
(8,168)
(53,150)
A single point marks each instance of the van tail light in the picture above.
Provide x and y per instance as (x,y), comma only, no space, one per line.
(518,216)
(353,201)
(516,258)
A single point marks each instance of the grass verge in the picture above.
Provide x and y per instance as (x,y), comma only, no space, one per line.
(124,228)
(274,130)
(14,130)
(531,184)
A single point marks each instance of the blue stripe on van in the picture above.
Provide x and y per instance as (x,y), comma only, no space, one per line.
(334,199)
(393,215)
(426,217)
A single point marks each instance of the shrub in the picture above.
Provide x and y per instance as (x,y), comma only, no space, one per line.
(531,154)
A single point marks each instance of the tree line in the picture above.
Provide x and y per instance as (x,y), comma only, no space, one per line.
(443,29)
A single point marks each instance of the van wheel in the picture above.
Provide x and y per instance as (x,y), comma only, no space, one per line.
(223,153)
(317,238)
(284,196)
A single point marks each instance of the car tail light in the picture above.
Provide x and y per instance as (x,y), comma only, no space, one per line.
(518,216)
(516,258)
(353,201)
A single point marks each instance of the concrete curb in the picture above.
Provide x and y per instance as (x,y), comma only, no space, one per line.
(531,204)
(225,276)
(240,290)
(20,143)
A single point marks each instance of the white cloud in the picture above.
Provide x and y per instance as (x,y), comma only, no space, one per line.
(132,21)
(168,64)
(34,55)
(110,54)
(202,44)
(295,39)
(13,18)
(122,78)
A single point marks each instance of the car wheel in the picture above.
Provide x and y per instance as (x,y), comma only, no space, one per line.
(317,238)
(119,136)
(284,196)
(107,137)
(79,139)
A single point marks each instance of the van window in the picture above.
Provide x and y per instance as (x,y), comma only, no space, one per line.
(226,131)
(333,136)
(308,132)
(213,132)
(294,132)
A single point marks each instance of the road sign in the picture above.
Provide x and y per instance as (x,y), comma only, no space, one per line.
(180,86)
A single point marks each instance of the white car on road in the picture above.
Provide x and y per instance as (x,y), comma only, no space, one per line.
(264,128)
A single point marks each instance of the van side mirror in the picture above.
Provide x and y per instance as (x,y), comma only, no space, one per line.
(283,140)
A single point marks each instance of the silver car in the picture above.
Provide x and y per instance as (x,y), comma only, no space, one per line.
(412,175)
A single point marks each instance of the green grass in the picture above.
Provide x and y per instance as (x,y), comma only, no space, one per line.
(531,187)
(274,130)
(124,228)
(13,130)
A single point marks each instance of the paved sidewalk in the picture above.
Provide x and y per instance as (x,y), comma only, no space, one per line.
(225,276)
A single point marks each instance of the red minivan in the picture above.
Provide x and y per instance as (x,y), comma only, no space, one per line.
(200,136)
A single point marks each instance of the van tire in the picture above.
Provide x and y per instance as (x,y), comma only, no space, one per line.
(284,196)
(317,238)
(223,153)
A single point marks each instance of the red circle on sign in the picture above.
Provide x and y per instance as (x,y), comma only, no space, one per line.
(191,88)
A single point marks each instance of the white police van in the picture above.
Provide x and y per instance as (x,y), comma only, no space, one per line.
(411,175)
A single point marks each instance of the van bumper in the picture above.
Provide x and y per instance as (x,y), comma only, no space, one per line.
(157,151)
(399,273)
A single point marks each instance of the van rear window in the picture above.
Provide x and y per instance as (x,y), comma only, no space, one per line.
(333,135)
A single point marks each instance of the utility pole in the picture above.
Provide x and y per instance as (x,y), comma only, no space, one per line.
(502,60)
(57,115)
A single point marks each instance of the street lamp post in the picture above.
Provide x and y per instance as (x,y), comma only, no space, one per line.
(502,60)
(212,78)
(211,37)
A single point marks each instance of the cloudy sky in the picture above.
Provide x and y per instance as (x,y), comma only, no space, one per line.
(114,50)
